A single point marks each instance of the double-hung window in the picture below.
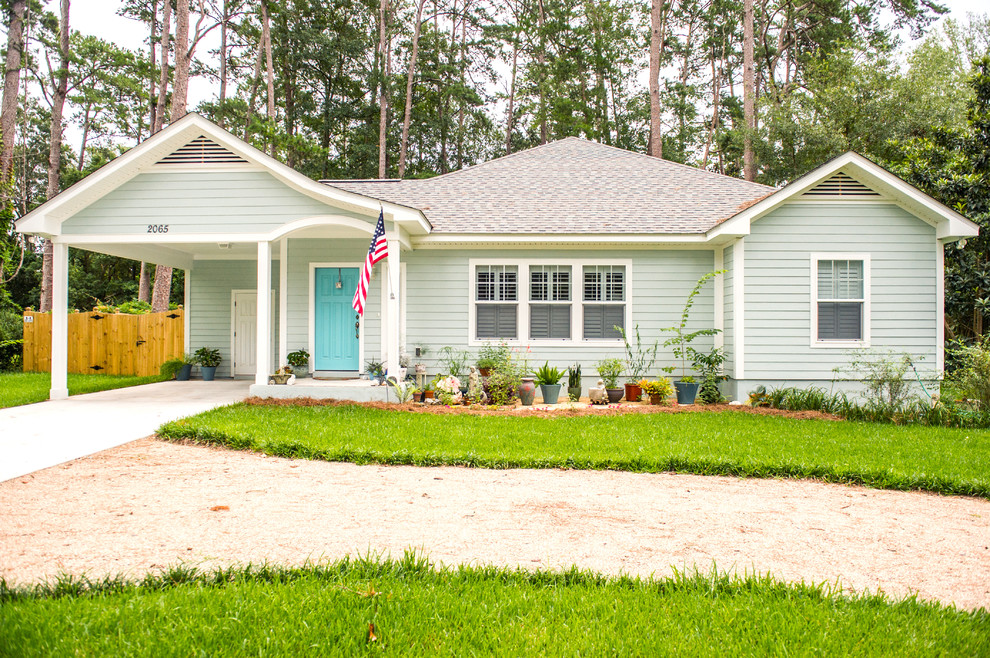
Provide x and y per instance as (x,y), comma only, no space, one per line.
(550,301)
(604,301)
(497,302)
(841,306)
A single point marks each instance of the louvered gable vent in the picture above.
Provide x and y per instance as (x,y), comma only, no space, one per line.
(202,151)
(841,185)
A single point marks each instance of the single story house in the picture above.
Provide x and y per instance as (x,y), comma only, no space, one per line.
(546,249)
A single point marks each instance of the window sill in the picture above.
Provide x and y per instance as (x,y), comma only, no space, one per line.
(840,344)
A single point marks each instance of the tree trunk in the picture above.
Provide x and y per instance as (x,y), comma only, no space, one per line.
(266,37)
(541,60)
(60,84)
(407,114)
(163,79)
(152,58)
(383,87)
(144,284)
(749,93)
(85,137)
(253,96)
(180,84)
(162,290)
(656,39)
(512,96)
(224,20)
(11,82)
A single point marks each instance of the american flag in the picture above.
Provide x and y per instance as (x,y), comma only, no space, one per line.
(376,252)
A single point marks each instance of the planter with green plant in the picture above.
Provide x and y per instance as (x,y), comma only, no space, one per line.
(574,382)
(299,360)
(639,362)
(375,370)
(280,376)
(454,363)
(208,359)
(687,387)
(179,367)
(491,356)
(549,381)
(610,370)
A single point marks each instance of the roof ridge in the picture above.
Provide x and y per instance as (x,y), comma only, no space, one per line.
(492,161)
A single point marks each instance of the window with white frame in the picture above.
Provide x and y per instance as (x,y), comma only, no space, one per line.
(604,297)
(841,300)
(550,301)
(496,302)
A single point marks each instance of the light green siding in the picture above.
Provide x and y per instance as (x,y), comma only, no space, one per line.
(213,283)
(201,202)
(778,289)
(439,294)
(728,314)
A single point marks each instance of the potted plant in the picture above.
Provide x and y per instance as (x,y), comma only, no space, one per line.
(549,380)
(280,376)
(574,382)
(492,356)
(178,367)
(658,389)
(299,360)
(454,362)
(610,370)
(639,361)
(709,365)
(687,387)
(208,359)
(375,370)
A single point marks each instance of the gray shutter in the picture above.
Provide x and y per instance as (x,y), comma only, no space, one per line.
(615,316)
(486,319)
(593,321)
(560,321)
(506,321)
(840,321)
(539,321)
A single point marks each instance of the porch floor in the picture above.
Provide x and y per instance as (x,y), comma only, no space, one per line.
(354,390)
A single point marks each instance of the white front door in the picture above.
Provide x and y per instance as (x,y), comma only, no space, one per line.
(245,332)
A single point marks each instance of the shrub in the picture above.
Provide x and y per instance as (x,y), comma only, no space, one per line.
(610,369)
(971,377)
(208,357)
(11,339)
(658,387)
(884,376)
(709,365)
(492,354)
(453,362)
(298,359)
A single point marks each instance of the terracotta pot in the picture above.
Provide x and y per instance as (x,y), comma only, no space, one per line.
(527,391)
(614,395)
(485,372)
(633,392)
(657,399)
(427,395)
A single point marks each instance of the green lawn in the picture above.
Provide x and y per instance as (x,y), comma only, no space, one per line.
(415,609)
(942,460)
(17,388)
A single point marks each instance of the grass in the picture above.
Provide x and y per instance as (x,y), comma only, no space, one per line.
(413,608)
(17,388)
(941,460)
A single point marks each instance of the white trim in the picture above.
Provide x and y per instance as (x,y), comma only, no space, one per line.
(283,300)
(563,240)
(186,168)
(186,308)
(719,338)
(939,307)
(523,301)
(814,257)
(311,319)
(264,331)
(60,323)
(402,308)
(739,308)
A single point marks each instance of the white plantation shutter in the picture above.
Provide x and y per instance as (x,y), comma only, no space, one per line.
(841,292)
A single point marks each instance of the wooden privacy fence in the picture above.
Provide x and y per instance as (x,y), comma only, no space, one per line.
(107,343)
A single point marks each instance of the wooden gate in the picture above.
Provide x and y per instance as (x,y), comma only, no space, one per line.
(107,343)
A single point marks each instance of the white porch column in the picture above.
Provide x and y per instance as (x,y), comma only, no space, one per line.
(283,300)
(60,322)
(392,305)
(264,331)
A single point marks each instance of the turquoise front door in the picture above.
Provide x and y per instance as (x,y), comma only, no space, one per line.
(336,336)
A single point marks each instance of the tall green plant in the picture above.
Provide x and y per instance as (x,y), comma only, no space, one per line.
(639,362)
(682,338)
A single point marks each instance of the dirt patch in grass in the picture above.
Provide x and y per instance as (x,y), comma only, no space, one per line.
(544,411)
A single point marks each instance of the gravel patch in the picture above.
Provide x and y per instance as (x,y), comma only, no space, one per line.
(151,504)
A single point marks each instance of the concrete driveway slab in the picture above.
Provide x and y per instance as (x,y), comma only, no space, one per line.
(36,436)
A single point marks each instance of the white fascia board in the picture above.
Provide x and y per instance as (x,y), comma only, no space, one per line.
(949,224)
(144,252)
(638,240)
(46,218)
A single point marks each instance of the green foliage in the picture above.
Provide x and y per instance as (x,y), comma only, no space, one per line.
(662,387)
(639,361)
(11,339)
(502,385)
(610,370)
(885,376)
(492,354)
(971,377)
(452,361)
(374,368)
(548,376)
(207,356)
(404,391)
(682,338)
(736,443)
(170,368)
(298,359)
(709,366)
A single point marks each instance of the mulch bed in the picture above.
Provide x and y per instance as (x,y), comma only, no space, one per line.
(542,411)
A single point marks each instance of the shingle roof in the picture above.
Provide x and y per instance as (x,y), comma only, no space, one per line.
(570,186)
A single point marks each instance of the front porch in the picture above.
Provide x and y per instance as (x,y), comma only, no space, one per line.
(352,390)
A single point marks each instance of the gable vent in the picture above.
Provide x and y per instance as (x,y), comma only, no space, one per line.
(202,151)
(842,185)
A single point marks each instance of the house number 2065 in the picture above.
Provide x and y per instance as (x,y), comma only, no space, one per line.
(157,228)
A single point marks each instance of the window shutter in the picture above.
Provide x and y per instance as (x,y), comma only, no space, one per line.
(560,321)
(487,321)
(615,316)
(506,321)
(496,321)
(594,315)
(539,321)
(840,321)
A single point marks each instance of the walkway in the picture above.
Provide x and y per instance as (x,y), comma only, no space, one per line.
(37,436)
